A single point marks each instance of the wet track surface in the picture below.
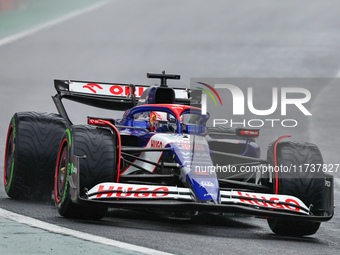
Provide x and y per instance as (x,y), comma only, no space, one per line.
(122,41)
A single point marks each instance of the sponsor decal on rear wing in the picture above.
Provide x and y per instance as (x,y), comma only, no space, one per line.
(181,93)
(106,89)
(121,90)
(248,132)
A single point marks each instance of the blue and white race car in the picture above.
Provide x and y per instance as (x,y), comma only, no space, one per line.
(161,156)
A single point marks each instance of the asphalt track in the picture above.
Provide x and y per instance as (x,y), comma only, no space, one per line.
(123,40)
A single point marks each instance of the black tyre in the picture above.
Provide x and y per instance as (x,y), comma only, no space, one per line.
(307,185)
(31,151)
(99,165)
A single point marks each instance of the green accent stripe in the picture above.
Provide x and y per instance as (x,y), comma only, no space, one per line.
(10,179)
(208,92)
(69,137)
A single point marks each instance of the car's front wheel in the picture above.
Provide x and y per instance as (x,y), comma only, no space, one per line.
(97,150)
(304,183)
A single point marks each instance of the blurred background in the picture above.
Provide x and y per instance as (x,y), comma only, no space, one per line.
(120,41)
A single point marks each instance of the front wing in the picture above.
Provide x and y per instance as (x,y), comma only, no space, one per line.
(137,196)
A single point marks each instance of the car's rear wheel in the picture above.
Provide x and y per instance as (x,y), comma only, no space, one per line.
(98,165)
(307,185)
(30,154)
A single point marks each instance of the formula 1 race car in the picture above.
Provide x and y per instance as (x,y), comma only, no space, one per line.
(161,156)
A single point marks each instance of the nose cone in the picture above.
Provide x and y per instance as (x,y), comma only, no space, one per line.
(205,187)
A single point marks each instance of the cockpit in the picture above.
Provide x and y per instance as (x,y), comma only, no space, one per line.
(166,118)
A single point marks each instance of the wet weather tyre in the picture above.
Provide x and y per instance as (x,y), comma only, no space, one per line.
(31,151)
(307,185)
(96,148)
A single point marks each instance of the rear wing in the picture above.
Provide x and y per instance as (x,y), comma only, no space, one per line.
(103,95)
(112,96)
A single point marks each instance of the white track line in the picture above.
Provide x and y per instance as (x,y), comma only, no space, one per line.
(31,31)
(80,235)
